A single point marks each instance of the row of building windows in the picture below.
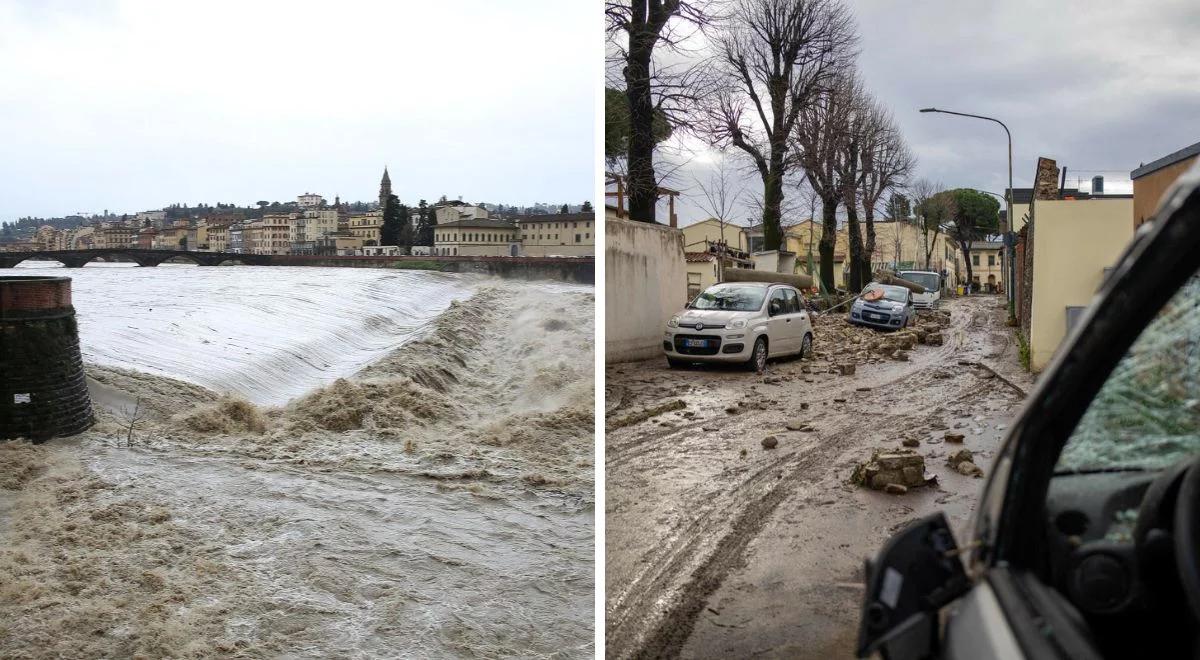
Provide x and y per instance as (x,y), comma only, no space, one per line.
(554,237)
(473,237)
(975,259)
(574,225)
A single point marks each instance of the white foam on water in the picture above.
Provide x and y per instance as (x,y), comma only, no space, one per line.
(265,333)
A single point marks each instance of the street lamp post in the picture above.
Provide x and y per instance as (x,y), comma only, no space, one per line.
(1011,276)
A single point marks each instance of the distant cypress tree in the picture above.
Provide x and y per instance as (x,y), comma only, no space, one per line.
(389,233)
(564,210)
(586,208)
(425,222)
(405,238)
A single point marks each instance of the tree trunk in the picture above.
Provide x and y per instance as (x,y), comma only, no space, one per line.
(643,187)
(869,248)
(773,198)
(854,238)
(966,250)
(828,241)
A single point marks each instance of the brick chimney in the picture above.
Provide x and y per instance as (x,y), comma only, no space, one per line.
(1045,182)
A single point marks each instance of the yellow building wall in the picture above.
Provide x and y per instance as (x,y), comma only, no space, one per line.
(695,235)
(1149,189)
(1074,241)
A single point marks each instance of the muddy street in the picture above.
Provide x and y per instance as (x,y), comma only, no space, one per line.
(720,547)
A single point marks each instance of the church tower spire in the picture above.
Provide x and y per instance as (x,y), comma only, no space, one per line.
(385,188)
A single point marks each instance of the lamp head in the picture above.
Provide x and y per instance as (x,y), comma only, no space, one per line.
(929,109)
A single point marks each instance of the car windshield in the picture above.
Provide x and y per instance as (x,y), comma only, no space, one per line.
(927,280)
(1147,414)
(731,297)
(893,293)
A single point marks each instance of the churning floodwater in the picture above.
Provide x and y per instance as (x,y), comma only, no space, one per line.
(265,333)
(326,463)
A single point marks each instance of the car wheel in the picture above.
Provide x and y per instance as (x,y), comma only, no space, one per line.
(806,346)
(758,357)
(676,364)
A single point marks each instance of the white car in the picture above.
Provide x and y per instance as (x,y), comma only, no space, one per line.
(933,287)
(740,322)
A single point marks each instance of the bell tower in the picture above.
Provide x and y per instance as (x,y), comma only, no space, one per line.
(385,188)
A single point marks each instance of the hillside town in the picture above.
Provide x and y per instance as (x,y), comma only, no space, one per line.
(313,226)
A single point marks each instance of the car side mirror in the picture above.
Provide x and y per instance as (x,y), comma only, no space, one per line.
(917,572)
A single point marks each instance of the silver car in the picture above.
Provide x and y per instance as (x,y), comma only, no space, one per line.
(883,306)
(740,322)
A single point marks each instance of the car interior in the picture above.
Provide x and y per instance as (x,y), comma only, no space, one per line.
(1118,542)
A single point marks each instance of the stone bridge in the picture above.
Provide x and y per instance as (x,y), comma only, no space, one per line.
(143,257)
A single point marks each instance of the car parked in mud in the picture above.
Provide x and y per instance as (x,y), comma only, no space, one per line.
(883,306)
(740,322)
(1086,540)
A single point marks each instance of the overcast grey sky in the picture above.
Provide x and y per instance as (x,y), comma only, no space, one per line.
(129,105)
(1097,85)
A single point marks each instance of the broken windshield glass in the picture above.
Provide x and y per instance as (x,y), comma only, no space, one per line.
(1147,414)
(731,298)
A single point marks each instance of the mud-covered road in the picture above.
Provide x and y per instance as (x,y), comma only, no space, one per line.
(717,547)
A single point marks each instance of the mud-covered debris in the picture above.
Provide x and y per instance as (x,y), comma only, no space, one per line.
(862,389)
(956,438)
(709,429)
(964,461)
(799,426)
(895,489)
(645,413)
(839,400)
(732,410)
(903,467)
(910,442)
(934,339)
(900,356)
(846,368)
(969,469)
(804,405)
(770,442)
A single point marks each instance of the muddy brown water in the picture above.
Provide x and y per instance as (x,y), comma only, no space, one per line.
(438,504)
(719,548)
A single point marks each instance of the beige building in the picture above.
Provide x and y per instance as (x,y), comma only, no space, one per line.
(366,226)
(476,238)
(1150,181)
(272,234)
(218,238)
(557,235)
(48,238)
(699,236)
(986,266)
(112,236)
(447,212)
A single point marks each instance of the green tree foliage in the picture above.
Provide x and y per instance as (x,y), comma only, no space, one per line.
(973,216)
(389,233)
(564,209)
(616,125)
(586,208)
(406,228)
(425,222)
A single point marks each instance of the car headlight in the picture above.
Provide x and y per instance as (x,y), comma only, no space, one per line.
(674,322)
(736,324)
(897,308)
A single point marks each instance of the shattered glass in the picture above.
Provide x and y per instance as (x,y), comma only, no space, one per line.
(1147,414)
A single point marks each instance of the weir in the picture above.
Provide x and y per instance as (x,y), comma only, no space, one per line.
(581,270)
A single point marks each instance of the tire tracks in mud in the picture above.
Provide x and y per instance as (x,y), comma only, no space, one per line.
(761,494)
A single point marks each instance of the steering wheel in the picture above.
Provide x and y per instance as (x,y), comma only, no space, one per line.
(1187,536)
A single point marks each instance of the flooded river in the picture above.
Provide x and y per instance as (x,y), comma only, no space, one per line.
(326,463)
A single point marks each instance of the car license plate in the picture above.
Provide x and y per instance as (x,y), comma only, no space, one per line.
(695,343)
